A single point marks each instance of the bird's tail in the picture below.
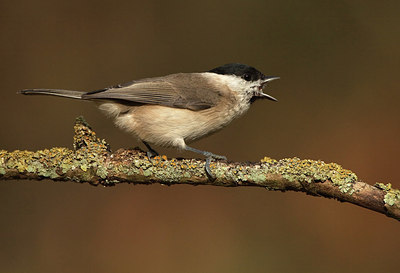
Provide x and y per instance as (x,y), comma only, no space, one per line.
(54,92)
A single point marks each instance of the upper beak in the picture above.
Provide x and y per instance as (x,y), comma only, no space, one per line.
(265,80)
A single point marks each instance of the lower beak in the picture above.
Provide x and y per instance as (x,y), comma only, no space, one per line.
(262,95)
(267,79)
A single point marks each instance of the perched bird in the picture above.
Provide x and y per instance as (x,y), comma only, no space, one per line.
(174,110)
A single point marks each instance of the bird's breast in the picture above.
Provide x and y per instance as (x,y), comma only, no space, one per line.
(167,126)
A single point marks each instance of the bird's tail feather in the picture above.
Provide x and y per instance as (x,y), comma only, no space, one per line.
(54,92)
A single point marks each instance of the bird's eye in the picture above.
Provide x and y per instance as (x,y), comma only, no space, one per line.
(247,77)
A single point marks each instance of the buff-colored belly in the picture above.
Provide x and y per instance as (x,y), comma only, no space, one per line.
(166,126)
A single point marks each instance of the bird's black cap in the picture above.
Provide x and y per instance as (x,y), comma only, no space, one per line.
(247,72)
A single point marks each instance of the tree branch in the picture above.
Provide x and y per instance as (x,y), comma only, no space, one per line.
(92,161)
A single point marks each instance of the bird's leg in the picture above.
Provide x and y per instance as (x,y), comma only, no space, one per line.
(151,152)
(209,156)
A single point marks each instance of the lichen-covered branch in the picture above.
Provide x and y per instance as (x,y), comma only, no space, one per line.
(92,161)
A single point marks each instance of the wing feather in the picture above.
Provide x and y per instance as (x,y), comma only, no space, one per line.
(185,90)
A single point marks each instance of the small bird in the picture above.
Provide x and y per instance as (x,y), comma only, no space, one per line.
(177,109)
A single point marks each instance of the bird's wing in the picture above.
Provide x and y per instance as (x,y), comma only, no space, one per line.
(185,90)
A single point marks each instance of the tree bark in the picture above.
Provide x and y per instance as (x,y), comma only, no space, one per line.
(92,161)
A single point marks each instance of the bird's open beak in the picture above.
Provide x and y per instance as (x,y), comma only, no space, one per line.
(265,80)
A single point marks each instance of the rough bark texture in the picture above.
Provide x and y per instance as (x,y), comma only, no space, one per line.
(91,161)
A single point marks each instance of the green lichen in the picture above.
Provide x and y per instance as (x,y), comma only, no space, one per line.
(221,171)
(102,172)
(392,196)
(147,172)
(173,171)
(295,169)
(257,177)
(44,162)
(239,174)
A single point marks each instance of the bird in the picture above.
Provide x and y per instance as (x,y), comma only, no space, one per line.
(177,109)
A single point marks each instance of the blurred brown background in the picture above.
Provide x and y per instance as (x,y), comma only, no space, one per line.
(338,101)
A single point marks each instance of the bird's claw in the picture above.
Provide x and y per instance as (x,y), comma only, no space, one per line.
(207,167)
